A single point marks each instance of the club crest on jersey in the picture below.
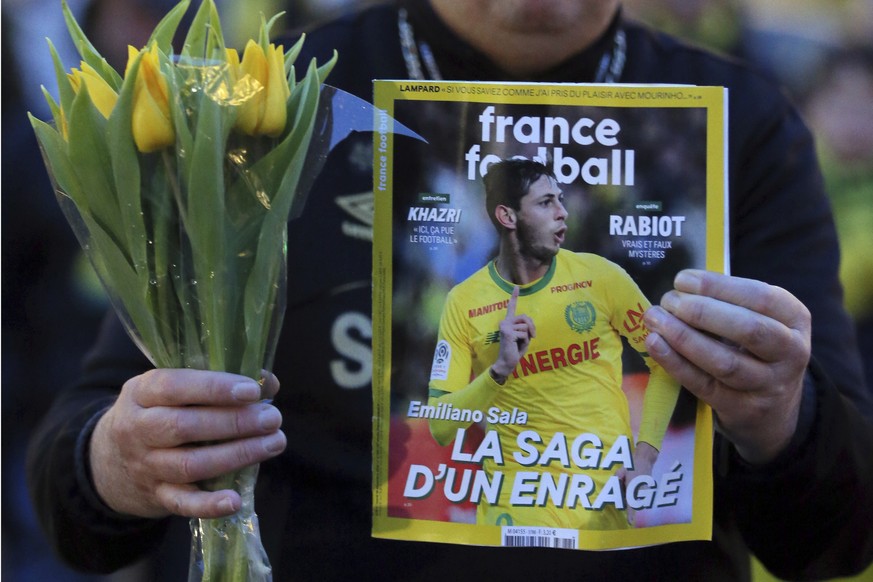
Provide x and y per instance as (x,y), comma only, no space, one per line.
(442,355)
(580,316)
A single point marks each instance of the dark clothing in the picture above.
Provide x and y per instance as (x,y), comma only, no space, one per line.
(806,514)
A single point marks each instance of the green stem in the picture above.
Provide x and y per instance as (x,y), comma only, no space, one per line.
(231,547)
(174,184)
(163,246)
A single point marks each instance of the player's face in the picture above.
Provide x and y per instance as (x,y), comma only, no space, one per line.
(541,222)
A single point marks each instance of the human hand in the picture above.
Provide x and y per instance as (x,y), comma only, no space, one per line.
(516,331)
(740,345)
(170,429)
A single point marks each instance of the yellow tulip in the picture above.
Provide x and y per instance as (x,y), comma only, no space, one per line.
(152,124)
(230,90)
(102,95)
(264,113)
(233,64)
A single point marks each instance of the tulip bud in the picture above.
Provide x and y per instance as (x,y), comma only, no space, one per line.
(152,124)
(102,95)
(233,64)
(264,113)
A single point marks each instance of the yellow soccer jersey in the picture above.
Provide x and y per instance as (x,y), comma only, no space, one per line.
(565,390)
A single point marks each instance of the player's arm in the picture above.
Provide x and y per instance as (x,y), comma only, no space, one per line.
(662,391)
(477,395)
(516,332)
(659,400)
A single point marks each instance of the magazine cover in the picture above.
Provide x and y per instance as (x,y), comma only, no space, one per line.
(517,245)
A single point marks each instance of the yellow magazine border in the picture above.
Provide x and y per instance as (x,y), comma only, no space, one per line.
(386,93)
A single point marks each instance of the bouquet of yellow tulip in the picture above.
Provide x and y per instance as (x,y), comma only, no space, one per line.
(179,179)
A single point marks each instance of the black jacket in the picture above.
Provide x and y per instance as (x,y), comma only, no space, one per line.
(806,514)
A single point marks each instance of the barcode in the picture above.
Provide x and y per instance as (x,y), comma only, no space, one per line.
(539,542)
(534,537)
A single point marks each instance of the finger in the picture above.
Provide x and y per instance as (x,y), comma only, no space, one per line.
(696,359)
(658,322)
(184,387)
(269,385)
(528,323)
(171,427)
(513,301)
(520,334)
(720,393)
(759,334)
(756,296)
(718,388)
(741,412)
(190,501)
(198,463)
(522,328)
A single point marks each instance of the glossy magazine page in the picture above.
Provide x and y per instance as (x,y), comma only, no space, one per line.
(514,401)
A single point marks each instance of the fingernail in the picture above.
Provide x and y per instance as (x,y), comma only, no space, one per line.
(246,391)
(275,443)
(653,317)
(226,506)
(269,384)
(656,345)
(688,280)
(270,418)
(670,301)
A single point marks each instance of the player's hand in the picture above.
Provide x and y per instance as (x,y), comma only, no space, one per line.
(644,458)
(516,331)
(740,345)
(149,450)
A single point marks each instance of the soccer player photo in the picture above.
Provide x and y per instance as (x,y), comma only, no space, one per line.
(539,329)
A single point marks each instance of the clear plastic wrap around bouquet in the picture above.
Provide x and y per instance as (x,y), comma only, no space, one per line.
(179,178)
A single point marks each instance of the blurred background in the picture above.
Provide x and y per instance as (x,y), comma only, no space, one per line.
(820,50)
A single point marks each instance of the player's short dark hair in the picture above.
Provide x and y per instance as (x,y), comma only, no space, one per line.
(507,182)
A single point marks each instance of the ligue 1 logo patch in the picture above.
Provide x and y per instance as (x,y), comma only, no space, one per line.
(580,316)
(442,354)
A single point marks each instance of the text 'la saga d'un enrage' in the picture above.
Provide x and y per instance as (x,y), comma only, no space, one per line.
(554,471)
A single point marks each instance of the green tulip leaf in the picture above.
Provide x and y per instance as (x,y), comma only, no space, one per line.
(204,222)
(89,153)
(87,51)
(65,89)
(205,39)
(124,286)
(165,30)
(325,69)
(56,154)
(126,172)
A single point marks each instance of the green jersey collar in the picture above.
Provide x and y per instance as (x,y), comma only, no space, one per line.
(526,290)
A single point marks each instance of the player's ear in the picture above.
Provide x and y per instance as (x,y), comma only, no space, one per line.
(505,216)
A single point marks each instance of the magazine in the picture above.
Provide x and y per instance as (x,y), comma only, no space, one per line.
(514,401)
